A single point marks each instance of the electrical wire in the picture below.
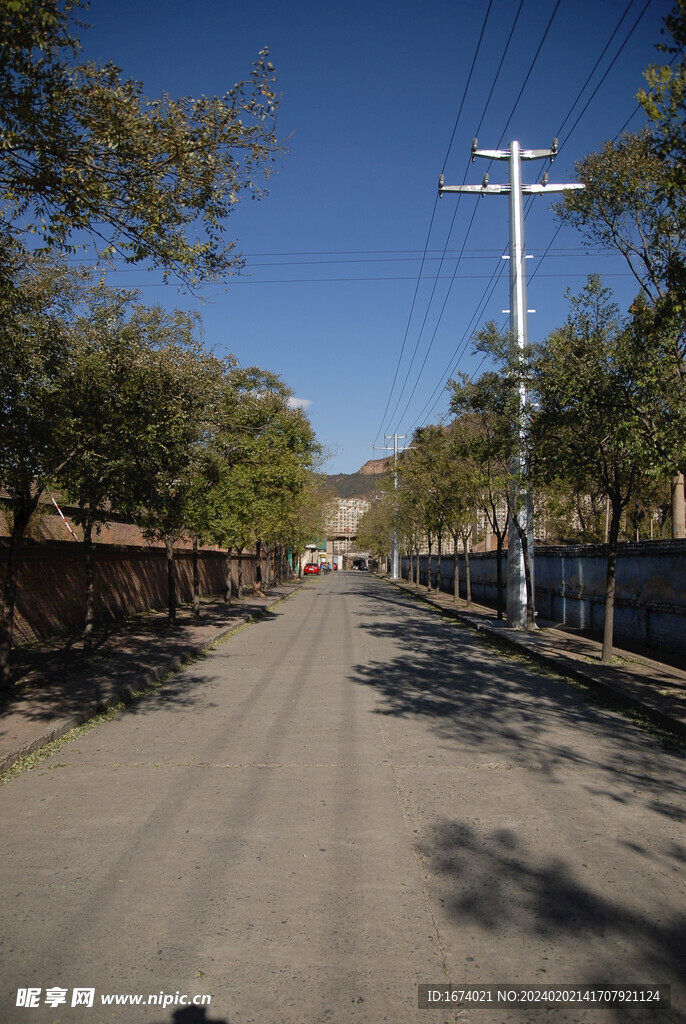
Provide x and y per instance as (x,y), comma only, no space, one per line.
(433,214)
(580,93)
(545,34)
(457,205)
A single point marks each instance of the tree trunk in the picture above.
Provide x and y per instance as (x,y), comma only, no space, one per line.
(171,582)
(240,572)
(428,565)
(467,571)
(610,585)
(499,603)
(456,574)
(439,555)
(268,566)
(90,587)
(678,508)
(196,579)
(23,507)
(257,585)
(228,577)
(417,570)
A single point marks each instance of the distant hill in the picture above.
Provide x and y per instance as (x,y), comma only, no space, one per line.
(375,466)
(361,484)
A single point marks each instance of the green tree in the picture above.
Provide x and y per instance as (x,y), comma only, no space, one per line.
(83,149)
(306,514)
(420,485)
(375,528)
(258,462)
(38,433)
(634,202)
(665,104)
(605,415)
(462,493)
(494,403)
(175,389)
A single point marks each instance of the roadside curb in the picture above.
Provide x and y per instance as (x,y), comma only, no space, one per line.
(129,693)
(559,661)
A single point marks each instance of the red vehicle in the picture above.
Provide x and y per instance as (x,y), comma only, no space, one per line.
(311,569)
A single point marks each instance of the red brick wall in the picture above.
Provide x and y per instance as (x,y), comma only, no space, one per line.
(51,588)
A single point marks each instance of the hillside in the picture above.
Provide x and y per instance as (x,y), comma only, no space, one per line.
(361,484)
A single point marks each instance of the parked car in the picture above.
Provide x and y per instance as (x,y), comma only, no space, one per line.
(311,569)
(359,565)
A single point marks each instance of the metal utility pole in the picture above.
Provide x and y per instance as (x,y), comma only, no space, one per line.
(519,333)
(395,554)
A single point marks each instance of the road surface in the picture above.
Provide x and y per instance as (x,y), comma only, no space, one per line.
(346,800)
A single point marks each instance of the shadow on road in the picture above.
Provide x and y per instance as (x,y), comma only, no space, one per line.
(478,705)
(193,1015)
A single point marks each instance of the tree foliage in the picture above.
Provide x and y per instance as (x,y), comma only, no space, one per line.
(84,150)
(608,414)
(634,201)
(38,424)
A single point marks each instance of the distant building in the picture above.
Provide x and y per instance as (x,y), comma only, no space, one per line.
(341,526)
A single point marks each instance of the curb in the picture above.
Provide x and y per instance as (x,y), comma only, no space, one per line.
(561,663)
(127,694)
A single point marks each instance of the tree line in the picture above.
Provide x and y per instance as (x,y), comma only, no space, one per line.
(117,404)
(588,427)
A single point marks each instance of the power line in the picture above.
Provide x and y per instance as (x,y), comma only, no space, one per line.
(433,214)
(528,75)
(579,94)
(543,38)
(483,114)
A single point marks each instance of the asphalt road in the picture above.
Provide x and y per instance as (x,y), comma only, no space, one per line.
(343,801)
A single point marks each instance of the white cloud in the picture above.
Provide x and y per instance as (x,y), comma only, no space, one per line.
(299,403)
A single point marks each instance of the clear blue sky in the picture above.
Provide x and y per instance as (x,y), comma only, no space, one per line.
(335,296)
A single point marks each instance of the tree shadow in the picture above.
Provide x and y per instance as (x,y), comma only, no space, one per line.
(480,704)
(193,1015)
(59,683)
(494,883)
(440,671)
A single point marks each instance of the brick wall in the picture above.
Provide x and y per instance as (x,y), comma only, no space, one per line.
(128,579)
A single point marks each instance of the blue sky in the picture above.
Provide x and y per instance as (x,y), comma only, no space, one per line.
(353,291)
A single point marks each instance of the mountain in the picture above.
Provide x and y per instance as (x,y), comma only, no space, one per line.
(361,484)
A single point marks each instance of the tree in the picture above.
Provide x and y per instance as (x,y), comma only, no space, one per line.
(634,202)
(306,514)
(419,479)
(85,150)
(375,529)
(463,490)
(258,462)
(605,415)
(121,417)
(665,105)
(494,403)
(176,388)
(38,433)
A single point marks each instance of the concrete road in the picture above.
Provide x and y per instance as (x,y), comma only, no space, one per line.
(344,801)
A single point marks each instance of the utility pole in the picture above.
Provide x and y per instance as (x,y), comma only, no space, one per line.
(395,554)
(519,334)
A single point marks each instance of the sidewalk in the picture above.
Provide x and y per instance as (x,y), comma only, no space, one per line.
(57,690)
(656,689)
